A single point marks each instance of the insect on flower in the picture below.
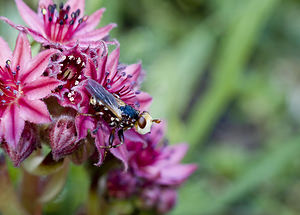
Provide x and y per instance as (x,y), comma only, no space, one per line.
(119,115)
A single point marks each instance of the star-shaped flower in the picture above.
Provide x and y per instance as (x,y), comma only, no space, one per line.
(62,25)
(21,89)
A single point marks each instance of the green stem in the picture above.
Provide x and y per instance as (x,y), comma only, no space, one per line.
(9,202)
(30,192)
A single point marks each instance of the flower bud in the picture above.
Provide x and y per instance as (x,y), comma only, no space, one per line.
(27,143)
(63,137)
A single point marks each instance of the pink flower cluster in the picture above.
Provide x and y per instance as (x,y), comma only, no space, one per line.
(45,101)
(154,171)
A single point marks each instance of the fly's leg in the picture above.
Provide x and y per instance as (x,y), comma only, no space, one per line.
(121,138)
(111,138)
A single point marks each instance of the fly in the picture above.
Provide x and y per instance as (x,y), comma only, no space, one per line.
(116,113)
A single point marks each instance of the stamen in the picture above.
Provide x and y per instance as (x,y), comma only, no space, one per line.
(44,11)
(77,13)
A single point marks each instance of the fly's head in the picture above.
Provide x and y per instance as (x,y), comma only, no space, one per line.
(144,123)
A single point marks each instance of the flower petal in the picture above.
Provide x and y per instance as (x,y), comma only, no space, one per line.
(176,174)
(134,70)
(76,4)
(44,4)
(92,21)
(83,123)
(40,88)
(100,142)
(22,52)
(97,34)
(121,153)
(29,16)
(37,65)
(157,133)
(175,153)
(13,125)
(144,100)
(113,61)
(37,36)
(5,53)
(34,111)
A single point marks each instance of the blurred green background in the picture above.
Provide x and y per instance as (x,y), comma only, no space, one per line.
(226,77)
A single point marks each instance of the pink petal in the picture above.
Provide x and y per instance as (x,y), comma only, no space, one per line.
(13,125)
(176,174)
(37,65)
(176,152)
(83,124)
(22,52)
(40,88)
(145,100)
(37,36)
(76,4)
(100,142)
(113,61)
(92,21)
(121,153)
(157,133)
(18,27)
(44,4)
(97,34)
(34,111)
(30,17)
(133,70)
(5,53)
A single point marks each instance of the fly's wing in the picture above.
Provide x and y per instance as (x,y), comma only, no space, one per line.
(105,97)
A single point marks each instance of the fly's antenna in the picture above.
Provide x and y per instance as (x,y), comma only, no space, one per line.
(156,121)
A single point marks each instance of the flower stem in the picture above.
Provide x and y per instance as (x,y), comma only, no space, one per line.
(30,190)
(9,202)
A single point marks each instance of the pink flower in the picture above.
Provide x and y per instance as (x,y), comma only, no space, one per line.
(70,66)
(21,89)
(120,80)
(151,159)
(62,25)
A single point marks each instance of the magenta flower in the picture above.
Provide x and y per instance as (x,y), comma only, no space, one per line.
(122,81)
(151,159)
(63,24)
(70,66)
(21,89)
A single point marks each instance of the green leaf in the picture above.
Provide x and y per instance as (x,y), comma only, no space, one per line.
(237,46)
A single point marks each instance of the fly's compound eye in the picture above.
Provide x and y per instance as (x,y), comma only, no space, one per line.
(142,122)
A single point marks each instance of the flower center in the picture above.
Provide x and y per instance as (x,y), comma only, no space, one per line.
(59,25)
(9,86)
(71,73)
